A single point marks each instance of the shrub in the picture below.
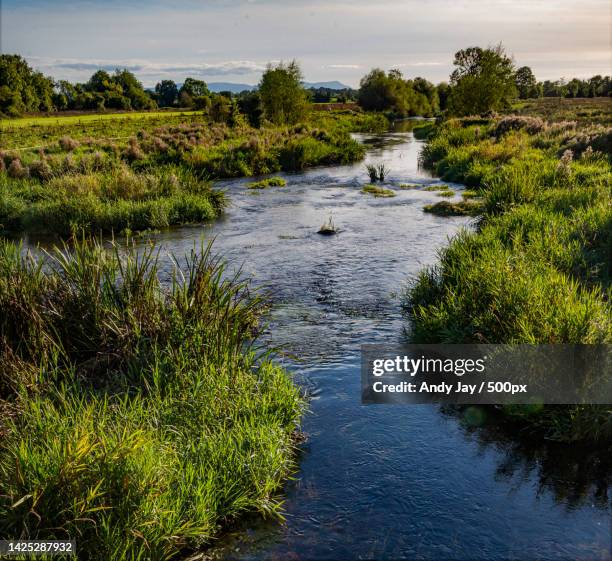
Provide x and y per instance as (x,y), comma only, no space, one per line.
(531,125)
(68,144)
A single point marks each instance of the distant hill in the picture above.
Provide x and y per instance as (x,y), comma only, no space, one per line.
(237,88)
(229,87)
(333,85)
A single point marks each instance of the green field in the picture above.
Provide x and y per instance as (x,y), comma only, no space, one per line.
(140,171)
(59,119)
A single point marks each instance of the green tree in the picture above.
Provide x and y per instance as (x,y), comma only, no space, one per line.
(167,93)
(283,98)
(526,83)
(483,80)
(195,88)
(22,88)
(133,90)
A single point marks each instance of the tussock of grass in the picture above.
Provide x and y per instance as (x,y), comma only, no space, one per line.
(461,208)
(269,182)
(409,186)
(141,417)
(446,193)
(377,191)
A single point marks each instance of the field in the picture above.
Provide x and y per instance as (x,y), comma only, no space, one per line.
(538,267)
(597,110)
(81,118)
(133,172)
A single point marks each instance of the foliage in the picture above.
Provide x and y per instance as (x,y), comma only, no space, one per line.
(283,98)
(390,92)
(143,417)
(21,88)
(269,182)
(482,81)
(537,269)
(378,191)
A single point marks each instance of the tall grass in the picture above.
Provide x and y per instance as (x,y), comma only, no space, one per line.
(156,176)
(142,416)
(537,268)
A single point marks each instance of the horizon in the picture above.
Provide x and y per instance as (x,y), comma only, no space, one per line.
(189,38)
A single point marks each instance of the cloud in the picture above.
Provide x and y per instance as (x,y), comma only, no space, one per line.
(350,66)
(150,68)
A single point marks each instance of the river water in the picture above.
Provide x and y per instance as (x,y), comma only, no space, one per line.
(385,482)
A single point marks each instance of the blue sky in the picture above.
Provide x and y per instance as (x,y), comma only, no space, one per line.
(232,40)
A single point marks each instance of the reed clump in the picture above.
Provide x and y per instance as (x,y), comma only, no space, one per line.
(140,416)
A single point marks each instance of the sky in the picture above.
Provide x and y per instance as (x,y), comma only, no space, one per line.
(233,40)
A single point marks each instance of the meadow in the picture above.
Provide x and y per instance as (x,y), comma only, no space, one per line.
(538,266)
(134,172)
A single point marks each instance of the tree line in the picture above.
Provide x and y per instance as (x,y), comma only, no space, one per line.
(482,80)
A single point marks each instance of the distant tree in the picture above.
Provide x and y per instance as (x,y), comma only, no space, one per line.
(526,83)
(443,90)
(376,91)
(133,90)
(283,98)
(220,109)
(167,93)
(249,104)
(483,80)
(100,81)
(390,92)
(195,88)
(22,88)
(573,88)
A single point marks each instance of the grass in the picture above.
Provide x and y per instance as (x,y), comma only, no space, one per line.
(461,208)
(446,193)
(269,182)
(150,171)
(377,191)
(87,118)
(537,269)
(138,418)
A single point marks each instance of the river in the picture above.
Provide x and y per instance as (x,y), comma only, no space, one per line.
(385,482)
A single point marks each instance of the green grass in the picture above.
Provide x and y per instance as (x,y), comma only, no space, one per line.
(64,177)
(87,118)
(377,191)
(138,418)
(537,269)
(460,208)
(269,182)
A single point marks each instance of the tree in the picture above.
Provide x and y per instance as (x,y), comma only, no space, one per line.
(100,81)
(483,80)
(220,109)
(22,88)
(390,92)
(167,93)
(443,91)
(526,83)
(133,90)
(283,98)
(249,104)
(195,88)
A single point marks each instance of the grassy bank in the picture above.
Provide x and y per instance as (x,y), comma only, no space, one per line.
(134,418)
(538,267)
(153,172)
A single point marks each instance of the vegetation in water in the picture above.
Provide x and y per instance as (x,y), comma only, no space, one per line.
(378,191)
(460,208)
(269,182)
(139,417)
(538,267)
